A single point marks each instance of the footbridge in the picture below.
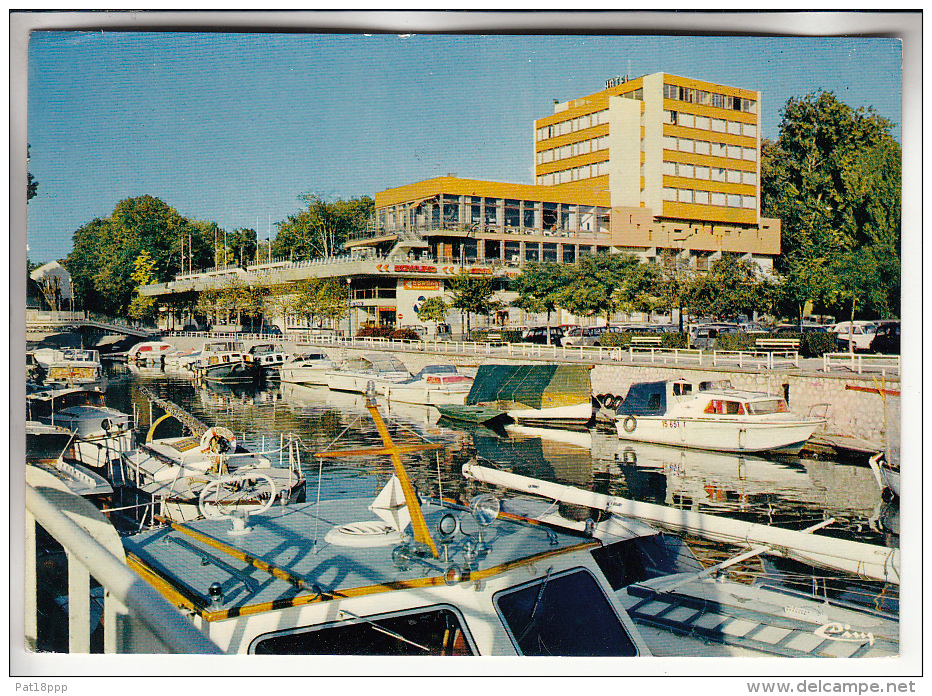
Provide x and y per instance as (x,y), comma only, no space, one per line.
(37,320)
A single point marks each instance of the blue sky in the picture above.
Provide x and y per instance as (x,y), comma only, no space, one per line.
(232,128)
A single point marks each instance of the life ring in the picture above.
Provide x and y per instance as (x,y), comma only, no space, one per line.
(106,424)
(629,424)
(218,440)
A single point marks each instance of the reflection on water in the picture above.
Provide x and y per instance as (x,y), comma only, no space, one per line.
(789,492)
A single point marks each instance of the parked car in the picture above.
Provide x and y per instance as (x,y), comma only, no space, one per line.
(538,334)
(272,330)
(705,335)
(586,335)
(861,334)
(887,338)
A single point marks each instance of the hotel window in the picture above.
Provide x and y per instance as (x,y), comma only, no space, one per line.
(671,92)
(719,149)
(702,97)
(749,130)
(734,128)
(670,117)
(703,147)
(532,251)
(718,125)
(687,120)
(703,122)
(685,170)
(684,196)
(734,177)
(491,211)
(718,199)
(529,214)
(545,180)
(451,212)
(512,214)
(701,197)
(669,194)
(749,105)
(718,174)
(734,151)
(546,156)
(718,100)
(749,201)
(569,253)
(686,145)
(669,143)
(702,173)
(750,154)
(734,200)
(601,117)
(730,102)
(669,168)
(493,249)
(549,215)
(749,178)
(584,147)
(513,251)
(548,252)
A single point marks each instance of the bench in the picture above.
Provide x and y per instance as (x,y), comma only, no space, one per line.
(778,343)
(650,341)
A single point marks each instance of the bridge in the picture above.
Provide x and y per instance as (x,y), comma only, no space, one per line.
(37,320)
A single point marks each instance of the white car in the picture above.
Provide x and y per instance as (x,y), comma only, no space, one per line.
(861,333)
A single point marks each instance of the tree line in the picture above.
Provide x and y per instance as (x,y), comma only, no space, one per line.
(833,177)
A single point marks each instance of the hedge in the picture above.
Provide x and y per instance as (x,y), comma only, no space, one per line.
(612,339)
(375,332)
(508,335)
(811,343)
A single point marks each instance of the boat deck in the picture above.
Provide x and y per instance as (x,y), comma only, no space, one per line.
(294,556)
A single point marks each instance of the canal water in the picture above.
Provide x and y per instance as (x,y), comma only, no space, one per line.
(792,493)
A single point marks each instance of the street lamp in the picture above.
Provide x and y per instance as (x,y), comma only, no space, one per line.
(349,308)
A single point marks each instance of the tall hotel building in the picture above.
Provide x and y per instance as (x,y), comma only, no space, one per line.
(661,166)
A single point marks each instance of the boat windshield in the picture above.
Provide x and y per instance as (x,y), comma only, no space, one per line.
(765,406)
(725,407)
(567,615)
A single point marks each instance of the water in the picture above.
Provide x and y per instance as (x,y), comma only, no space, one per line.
(791,493)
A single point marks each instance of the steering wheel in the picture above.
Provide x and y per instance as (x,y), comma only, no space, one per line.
(242,492)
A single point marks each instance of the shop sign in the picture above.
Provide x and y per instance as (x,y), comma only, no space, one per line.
(406,268)
(421,284)
(481,271)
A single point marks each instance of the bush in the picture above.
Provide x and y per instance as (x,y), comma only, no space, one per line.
(404,335)
(815,343)
(508,335)
(612,339)
(737,341)
(375,332)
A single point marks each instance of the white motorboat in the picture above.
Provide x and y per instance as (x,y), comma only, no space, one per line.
(435,384)
(226,361)
(182,359)
(149,352)
(270,359)
(308,368)
(51,449)
(102,433)
(179,474)
(676,412)
(46,356)
(354,374)
(76,366)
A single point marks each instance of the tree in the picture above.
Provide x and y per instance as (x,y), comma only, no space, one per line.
(472,295)
(316,297)
(320,230)
(142,306)
(833,177)
(32,186)
(731,287)
(540,287)
(593,283)
(434,309)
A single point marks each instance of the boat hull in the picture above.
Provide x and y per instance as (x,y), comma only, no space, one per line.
(423,395)
(787,437)
(305,375)
(230,372)
(358,382)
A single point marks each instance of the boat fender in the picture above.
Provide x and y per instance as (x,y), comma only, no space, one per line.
(218,440)
(629,456)
(629,424)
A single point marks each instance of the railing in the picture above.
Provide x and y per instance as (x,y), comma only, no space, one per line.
(38,316)
(856,362)
(756,358)
(136,617)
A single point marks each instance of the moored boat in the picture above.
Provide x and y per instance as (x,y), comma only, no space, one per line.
(677,412)
(149,352)
(270,359)
(354,374)
(434,384)
(51,449)
(226,361)
(76,366)
(308,368)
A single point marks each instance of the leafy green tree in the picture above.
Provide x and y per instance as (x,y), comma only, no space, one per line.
(540,287)
(732,286)
(316,297)
(320,230)
(594,282)
(472,295)
(833,177)
(142,306)
(433,309)
(32,186)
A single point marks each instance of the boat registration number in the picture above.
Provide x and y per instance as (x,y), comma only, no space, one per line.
(671,424)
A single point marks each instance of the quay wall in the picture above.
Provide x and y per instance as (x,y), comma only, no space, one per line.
(836,397)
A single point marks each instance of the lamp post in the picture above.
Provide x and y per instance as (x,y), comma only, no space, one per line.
(349,308)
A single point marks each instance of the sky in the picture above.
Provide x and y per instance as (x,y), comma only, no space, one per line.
(233,127)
